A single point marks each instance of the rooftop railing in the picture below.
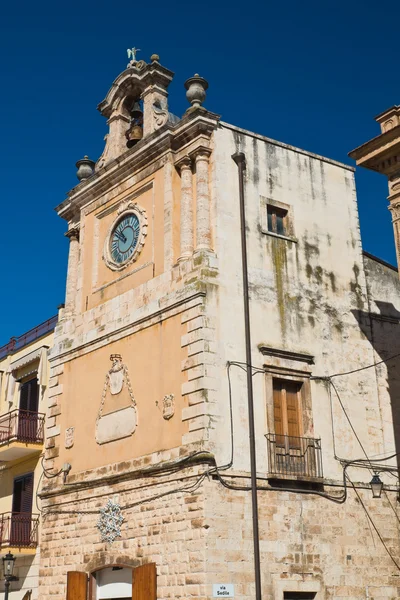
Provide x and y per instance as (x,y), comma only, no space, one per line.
(16,343)
(296,457)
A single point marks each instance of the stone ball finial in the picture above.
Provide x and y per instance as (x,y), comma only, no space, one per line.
(155,58)
(196,87)
(85,168)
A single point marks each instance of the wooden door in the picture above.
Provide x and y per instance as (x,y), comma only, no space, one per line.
(21,518)
(77,584)
(28,409)
(144,582)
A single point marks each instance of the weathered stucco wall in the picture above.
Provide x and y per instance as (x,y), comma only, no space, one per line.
(305,293)
(381,326)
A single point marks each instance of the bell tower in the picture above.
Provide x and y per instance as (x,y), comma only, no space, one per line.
(135,106)
(382,154)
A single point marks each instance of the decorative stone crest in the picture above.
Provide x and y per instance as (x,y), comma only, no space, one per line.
(126,208)
(110,522)
(160,116)
(168,406)
(69,437)
(117,421)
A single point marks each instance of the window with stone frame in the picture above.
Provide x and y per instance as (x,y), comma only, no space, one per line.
(277,220)
(292,450)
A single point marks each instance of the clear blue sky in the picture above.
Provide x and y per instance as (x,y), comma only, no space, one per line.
(312,74)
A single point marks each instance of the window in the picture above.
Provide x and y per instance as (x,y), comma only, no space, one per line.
(287,410)
(299,595)
(277,220)
(290,453)
(29,396)
(21,520)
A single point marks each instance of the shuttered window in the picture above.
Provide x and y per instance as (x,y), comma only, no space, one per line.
(29,395)
(287,410)
(23,494)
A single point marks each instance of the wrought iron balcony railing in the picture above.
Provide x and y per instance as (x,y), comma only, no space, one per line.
(294,456)
(19,530)
(22,426)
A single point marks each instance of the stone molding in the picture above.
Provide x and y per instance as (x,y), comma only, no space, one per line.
(172,308)
(168,138)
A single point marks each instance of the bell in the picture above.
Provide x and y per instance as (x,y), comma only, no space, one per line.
(133,135)
(135,131)
(136,111)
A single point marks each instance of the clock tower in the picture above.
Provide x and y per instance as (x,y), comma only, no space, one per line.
(131,356)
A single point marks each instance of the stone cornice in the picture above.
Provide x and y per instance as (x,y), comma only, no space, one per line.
(375,150)
(169,138)
(167,307)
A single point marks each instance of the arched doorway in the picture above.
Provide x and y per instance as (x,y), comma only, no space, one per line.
(114,582)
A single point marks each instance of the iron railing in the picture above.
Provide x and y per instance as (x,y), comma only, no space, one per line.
(16,343)
(22,426)
(294,456)
(19,530)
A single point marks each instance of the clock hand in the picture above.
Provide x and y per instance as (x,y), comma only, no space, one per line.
(120,236)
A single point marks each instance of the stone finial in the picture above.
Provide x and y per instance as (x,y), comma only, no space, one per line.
(155,58)
(85,168)
(196,87)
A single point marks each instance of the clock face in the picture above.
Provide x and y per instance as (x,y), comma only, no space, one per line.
(124,238)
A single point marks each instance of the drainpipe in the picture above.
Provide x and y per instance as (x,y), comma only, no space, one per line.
(240,160)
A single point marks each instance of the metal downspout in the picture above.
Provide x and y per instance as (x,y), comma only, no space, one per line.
(240,160)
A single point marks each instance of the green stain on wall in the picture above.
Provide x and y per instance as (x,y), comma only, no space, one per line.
(279,259)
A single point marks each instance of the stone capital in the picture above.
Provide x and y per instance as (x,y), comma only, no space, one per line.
(201,153)
(73,233)
(184,163)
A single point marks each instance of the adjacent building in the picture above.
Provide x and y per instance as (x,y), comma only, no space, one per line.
(23,404)
(149,488)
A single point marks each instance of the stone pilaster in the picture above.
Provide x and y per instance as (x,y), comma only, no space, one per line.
(168,216)
(395,210)
(203,224)
(72,275)
(186,246)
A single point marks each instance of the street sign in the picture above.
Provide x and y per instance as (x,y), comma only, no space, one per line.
(223,590)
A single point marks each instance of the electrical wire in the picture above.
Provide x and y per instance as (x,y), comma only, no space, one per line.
(189,489)
(350,423)
(374,526)
(385,360)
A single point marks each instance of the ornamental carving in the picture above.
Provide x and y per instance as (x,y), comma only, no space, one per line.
(117,417)
(110,522)
(168,406)
(160,116)
(69,437)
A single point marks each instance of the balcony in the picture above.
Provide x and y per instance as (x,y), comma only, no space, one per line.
(19,532)
(294,457)
(21,433)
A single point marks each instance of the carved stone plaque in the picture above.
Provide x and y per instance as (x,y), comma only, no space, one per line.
(168,406)
(117,418)
(69,437)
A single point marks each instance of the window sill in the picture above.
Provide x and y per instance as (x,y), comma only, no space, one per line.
(280,237)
